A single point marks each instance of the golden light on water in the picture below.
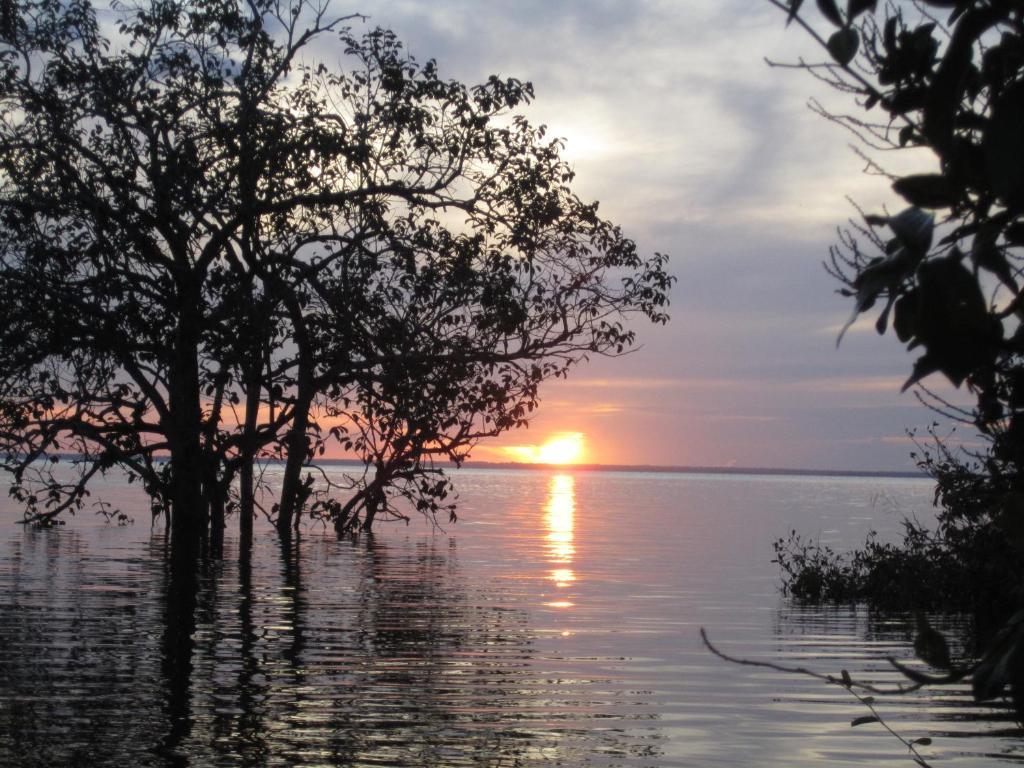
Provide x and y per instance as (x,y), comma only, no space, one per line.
(559,519)
(563,577)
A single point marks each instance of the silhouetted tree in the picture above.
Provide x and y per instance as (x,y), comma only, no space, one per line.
(946,76)
(214,253)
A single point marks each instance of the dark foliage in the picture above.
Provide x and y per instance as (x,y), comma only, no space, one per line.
(216,252)
(960,570)
(946,76)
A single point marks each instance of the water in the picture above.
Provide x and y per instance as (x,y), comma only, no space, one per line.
(556,624)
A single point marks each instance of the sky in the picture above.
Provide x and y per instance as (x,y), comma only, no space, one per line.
(697,148)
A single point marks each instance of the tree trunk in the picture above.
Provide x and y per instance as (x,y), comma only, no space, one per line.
(188,518)
(345,514)
(297,442)
(375,498)
(298,448)
(216,491)
(246,505)
(246,474)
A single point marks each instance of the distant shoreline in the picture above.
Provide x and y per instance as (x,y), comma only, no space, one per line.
(652,468)
(684,470)
(639,468)
(657,468)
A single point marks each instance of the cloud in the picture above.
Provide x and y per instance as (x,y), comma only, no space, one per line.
(736,418)
(700,150)
(888,384)
(627,383)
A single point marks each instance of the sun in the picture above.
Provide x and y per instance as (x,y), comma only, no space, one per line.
(564,448)
(561,448)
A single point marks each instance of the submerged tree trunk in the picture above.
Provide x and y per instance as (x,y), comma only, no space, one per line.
(246,507)
(291,483)
(345,514)
(375,498)
(297,442)
(215,490)
(246,472)
(188,518)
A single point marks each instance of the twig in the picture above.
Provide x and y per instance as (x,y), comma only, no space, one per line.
(847,682)
(920,680)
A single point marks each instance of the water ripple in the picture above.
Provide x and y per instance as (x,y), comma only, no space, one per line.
(556,625)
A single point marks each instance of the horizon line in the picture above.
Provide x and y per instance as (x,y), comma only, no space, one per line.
(687,469)
(681,469)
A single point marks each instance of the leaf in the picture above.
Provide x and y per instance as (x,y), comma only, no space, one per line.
(889,35)
(913,228)
(906,99)
(1004,153)
(864,720)
(1014,233)
(904,316)
(855,8)
(843,45)
(989,256)
(924,367)
(953,322)
(882,275)
(927,190)
(830,11)
(924,741)
(883,319)
(847,680)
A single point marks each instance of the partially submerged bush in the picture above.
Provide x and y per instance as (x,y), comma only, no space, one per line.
(957,567)
(814,572)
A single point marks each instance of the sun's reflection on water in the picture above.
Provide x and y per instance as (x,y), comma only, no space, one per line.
(559,517)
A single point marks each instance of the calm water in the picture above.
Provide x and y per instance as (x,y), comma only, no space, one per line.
(555,624)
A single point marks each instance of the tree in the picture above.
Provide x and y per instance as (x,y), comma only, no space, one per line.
(946,76)
(215,254)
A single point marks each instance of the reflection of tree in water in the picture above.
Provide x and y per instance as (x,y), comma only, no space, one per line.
(80,679)
(334,653)
(375,653)
(829,638)
(379,657)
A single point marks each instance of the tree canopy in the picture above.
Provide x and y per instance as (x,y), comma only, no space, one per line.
(946,76)
(216,251)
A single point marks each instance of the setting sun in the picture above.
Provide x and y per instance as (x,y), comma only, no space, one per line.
(561,448)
